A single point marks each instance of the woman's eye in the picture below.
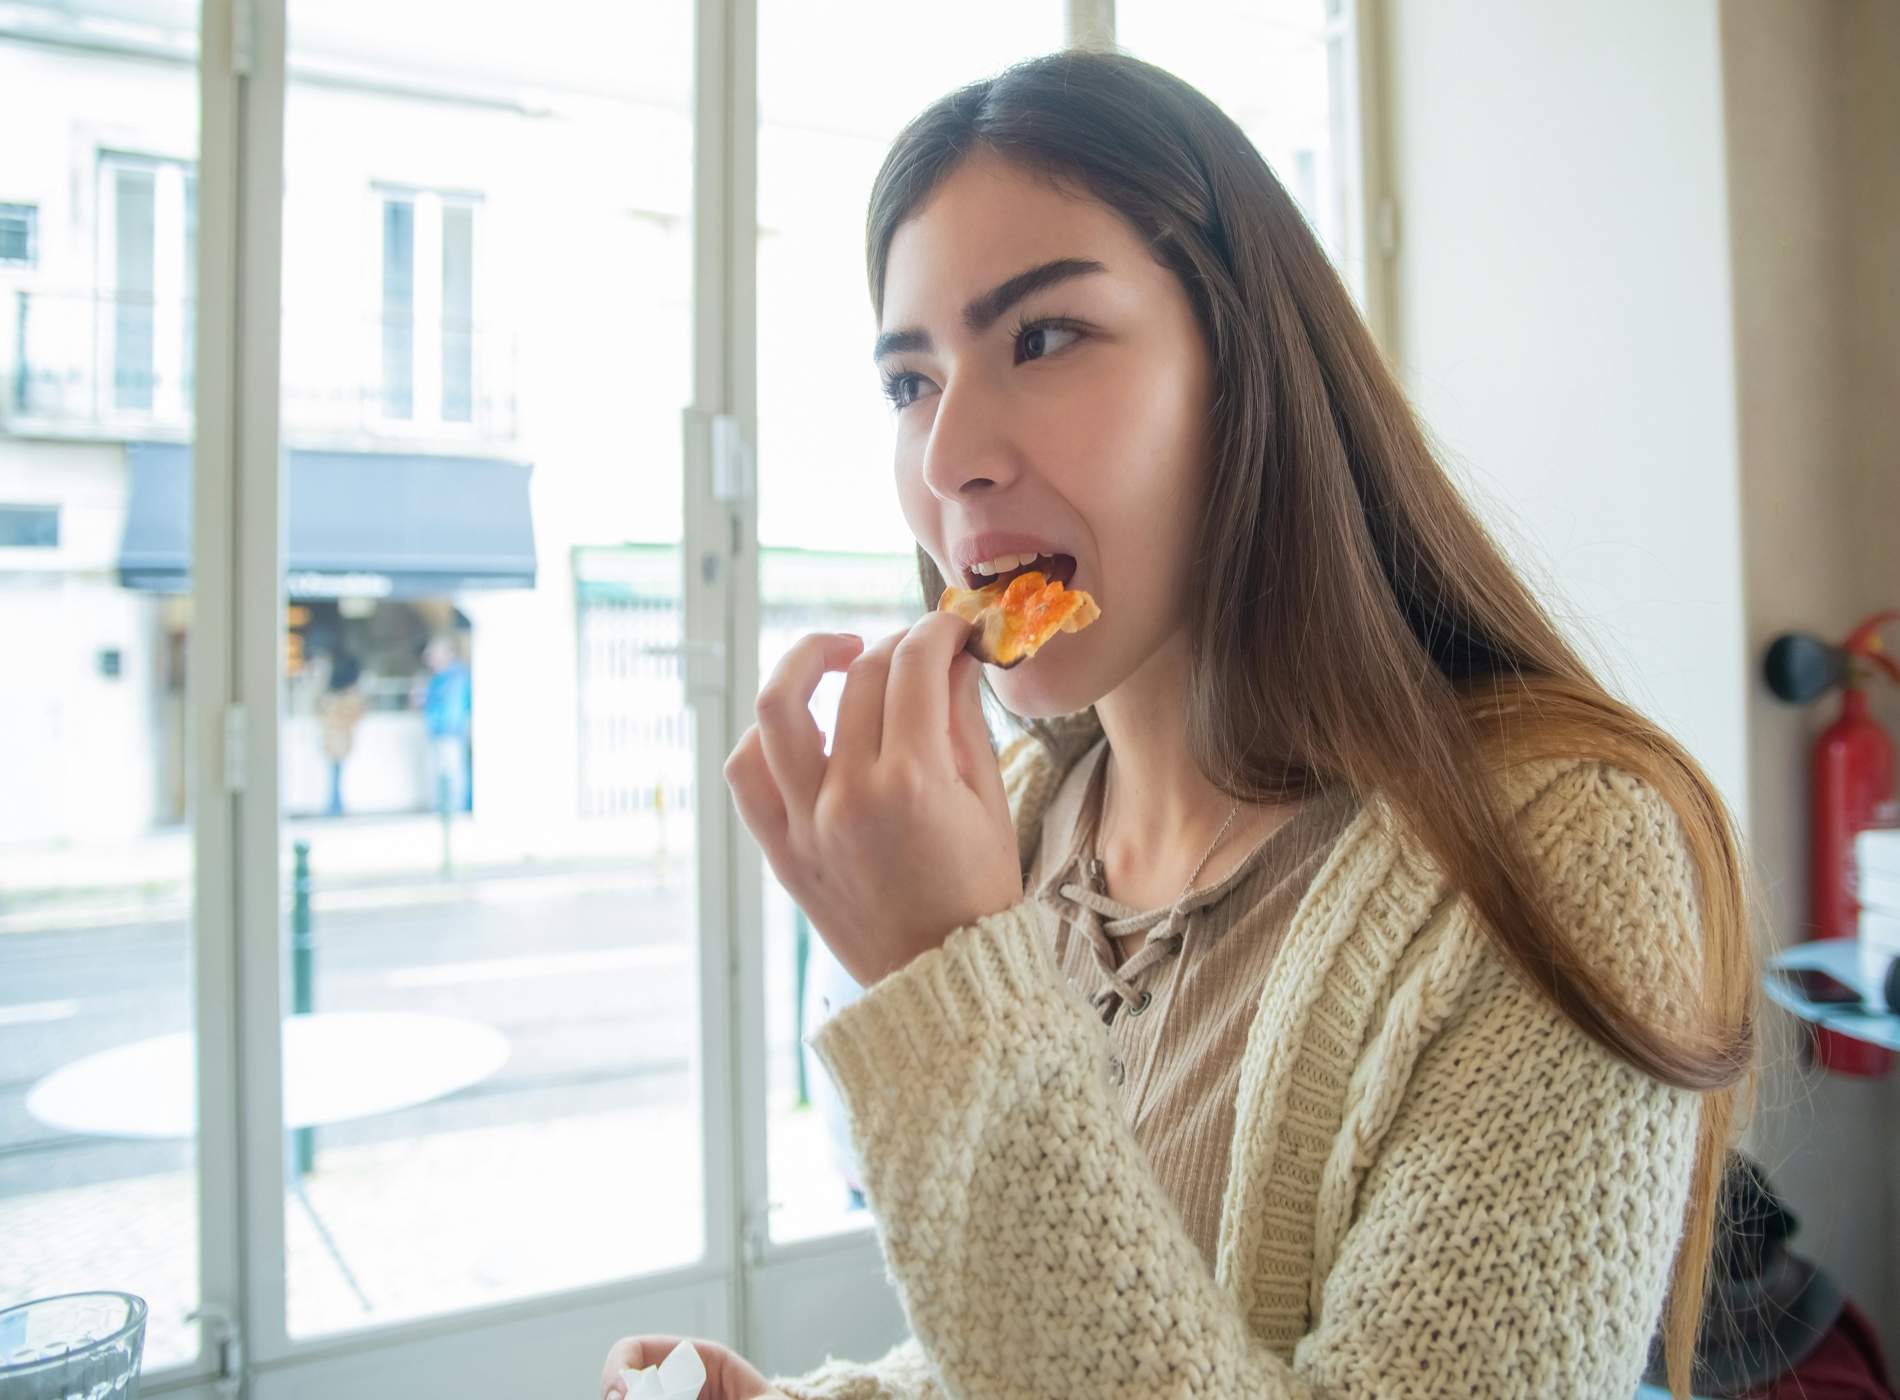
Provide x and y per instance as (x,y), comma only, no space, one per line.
(1035,342)
(901,389)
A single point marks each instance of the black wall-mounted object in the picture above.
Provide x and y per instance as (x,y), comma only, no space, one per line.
(1800,667)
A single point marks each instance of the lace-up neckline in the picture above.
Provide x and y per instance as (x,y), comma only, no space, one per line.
(1077,890)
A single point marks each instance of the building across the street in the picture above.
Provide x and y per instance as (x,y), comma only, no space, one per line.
(482,447)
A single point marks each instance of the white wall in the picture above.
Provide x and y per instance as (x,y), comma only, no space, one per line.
(1562,300)
(80,751)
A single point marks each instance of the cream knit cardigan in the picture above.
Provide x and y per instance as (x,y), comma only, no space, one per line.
(1438,1185)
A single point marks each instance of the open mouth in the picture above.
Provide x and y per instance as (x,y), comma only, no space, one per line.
(1057,568)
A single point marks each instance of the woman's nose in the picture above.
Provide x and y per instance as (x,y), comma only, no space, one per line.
(970,448)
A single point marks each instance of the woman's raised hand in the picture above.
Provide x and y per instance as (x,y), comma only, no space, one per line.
(902,833)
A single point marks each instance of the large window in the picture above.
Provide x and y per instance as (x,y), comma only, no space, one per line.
(529,953)
(103,1164)
(835,553)
(385,993)
(1285,71)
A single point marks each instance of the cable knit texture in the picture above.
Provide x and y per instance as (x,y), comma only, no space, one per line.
(1437,1185)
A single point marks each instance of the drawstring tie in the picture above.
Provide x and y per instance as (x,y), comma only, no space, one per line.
(1164,941)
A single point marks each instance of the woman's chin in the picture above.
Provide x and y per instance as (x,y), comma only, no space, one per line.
(1043,687)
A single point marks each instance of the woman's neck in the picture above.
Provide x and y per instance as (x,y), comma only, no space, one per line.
(1159,811)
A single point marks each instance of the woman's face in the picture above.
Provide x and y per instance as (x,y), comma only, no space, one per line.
(1070,419)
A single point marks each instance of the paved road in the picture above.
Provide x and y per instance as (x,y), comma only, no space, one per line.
(555,963)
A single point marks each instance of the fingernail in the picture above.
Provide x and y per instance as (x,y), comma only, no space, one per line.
(852,637)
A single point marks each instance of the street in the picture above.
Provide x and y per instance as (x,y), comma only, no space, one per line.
(399,1218)
(555,963)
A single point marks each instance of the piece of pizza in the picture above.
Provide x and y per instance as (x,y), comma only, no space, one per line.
(1015,615)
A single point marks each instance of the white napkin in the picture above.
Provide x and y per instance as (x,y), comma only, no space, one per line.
(679,1377)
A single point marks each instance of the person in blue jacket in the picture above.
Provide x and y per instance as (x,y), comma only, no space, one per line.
(446,710)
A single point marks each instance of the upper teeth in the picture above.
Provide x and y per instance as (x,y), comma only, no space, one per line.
(1003,563)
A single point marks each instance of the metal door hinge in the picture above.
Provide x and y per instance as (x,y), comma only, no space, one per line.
(234,735)
(243,38)
(223,1332)
(735,470)
(704,665)
(753,1235)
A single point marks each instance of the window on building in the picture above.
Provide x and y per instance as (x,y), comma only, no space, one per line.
(399,307)
(133,370)
(19,235)
(148,235)
(458,309)
(428,306)
(29,527)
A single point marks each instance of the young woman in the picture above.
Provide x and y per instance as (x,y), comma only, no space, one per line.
(1334,991)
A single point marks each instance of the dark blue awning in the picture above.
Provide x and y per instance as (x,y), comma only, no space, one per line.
(371,524)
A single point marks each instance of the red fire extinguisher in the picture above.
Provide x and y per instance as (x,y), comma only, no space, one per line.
(1853,789)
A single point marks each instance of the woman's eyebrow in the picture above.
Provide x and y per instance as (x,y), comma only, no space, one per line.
(983,311)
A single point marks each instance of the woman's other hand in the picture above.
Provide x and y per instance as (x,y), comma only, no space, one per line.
(728,1375)
(901,834)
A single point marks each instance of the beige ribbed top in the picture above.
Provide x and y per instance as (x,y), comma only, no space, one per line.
(1175,1051)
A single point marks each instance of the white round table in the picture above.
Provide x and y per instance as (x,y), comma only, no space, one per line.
(337,1066)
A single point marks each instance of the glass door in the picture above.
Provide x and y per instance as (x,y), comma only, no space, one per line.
(834,555)
(104,941)
(1287,72)
(489,1039)
(834,551)
(383,971)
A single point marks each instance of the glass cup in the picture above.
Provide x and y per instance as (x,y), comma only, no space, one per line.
(77,1346)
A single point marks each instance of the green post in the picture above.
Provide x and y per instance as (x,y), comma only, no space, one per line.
(301,978)
(801,960)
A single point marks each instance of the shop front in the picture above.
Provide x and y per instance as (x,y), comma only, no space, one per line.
(382,551)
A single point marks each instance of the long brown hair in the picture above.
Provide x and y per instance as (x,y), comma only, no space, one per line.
(1416,660)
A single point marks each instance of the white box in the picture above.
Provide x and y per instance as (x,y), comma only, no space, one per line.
(1877,869)
(1878,849)
(1879,946)
(1878,892)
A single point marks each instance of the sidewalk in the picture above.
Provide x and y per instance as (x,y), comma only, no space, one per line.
(425,1226)
(52,885)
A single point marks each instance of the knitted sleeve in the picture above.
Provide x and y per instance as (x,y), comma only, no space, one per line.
(1513,1200)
